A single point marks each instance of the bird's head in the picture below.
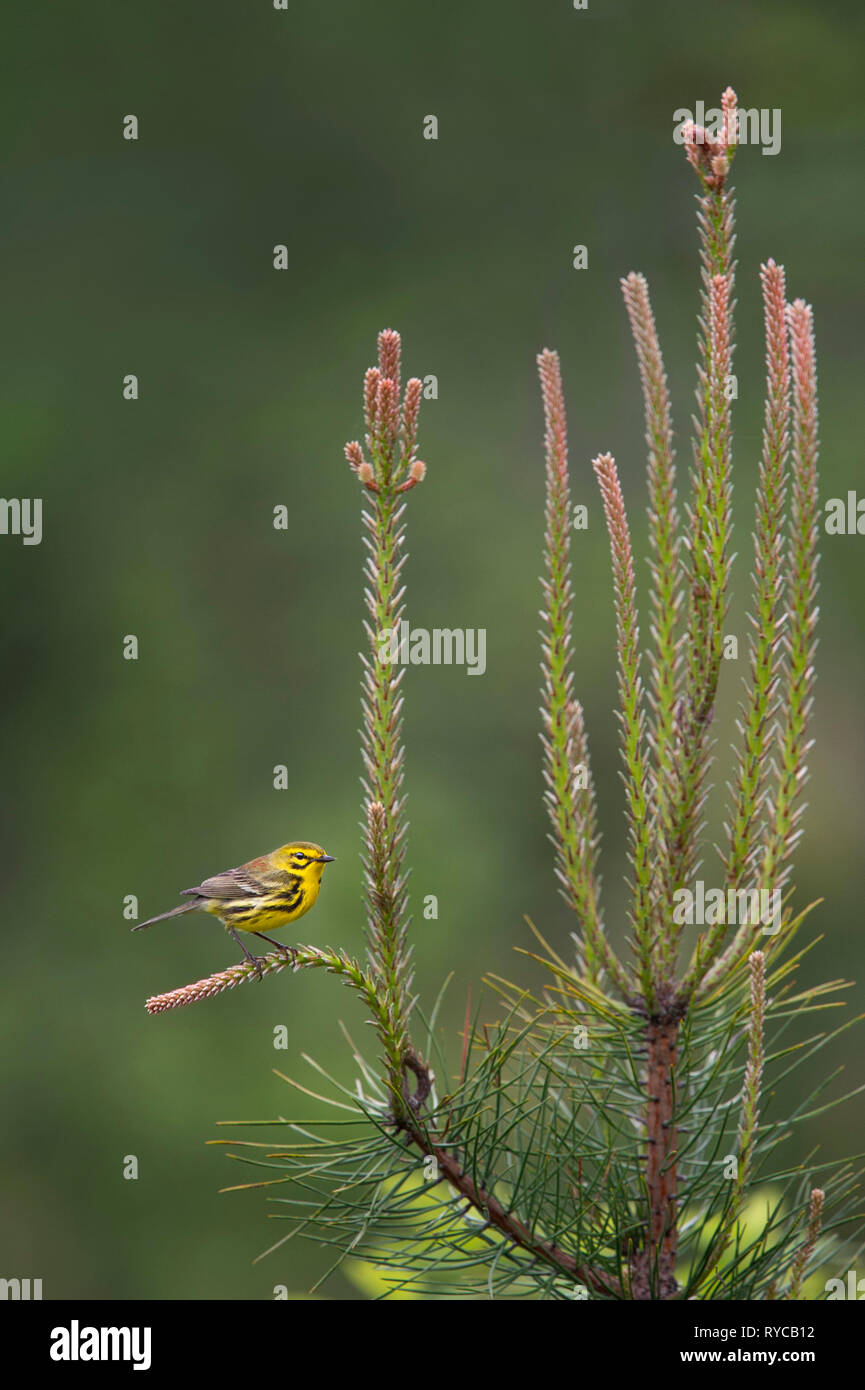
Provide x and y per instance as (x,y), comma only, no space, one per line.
(303,858)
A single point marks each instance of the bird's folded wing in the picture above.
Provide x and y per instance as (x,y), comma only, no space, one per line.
(228,885)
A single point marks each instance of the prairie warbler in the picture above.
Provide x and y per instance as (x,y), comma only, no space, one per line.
(267,892)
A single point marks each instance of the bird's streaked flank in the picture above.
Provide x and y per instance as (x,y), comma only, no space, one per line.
(266,893)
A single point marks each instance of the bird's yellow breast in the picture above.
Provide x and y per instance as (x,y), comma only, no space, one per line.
(275,907)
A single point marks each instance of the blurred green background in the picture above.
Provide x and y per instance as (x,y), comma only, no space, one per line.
(304,127)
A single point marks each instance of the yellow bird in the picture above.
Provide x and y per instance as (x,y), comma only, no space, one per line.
(267,892)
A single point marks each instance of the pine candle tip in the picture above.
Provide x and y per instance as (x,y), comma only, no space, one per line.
(728,106)
(413,390)
(370,395)
(708,154)
(410,413)
(354,455)
(387,404)
(604,464)
(389,346)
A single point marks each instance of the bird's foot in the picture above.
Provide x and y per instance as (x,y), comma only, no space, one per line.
(284,950)
(254,961)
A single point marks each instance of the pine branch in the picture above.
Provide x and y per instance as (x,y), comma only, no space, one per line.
(792,745)
(800,638)
(391,470)
(493,1212)
(806,1249)
(665,597)
(570,793)
(750,1112)
(761,703)
(708,514)
(765,643)
(631,719)
(664,540)
(293,958)
(653,1269)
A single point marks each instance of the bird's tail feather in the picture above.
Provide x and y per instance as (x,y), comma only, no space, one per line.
(175,912)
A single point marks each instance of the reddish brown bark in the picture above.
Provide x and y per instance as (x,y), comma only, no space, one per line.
(653,1268)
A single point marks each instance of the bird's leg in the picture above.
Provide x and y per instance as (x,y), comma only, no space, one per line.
(253,960)
(280,946)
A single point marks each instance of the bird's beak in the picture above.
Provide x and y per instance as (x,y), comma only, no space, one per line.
(325,859)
